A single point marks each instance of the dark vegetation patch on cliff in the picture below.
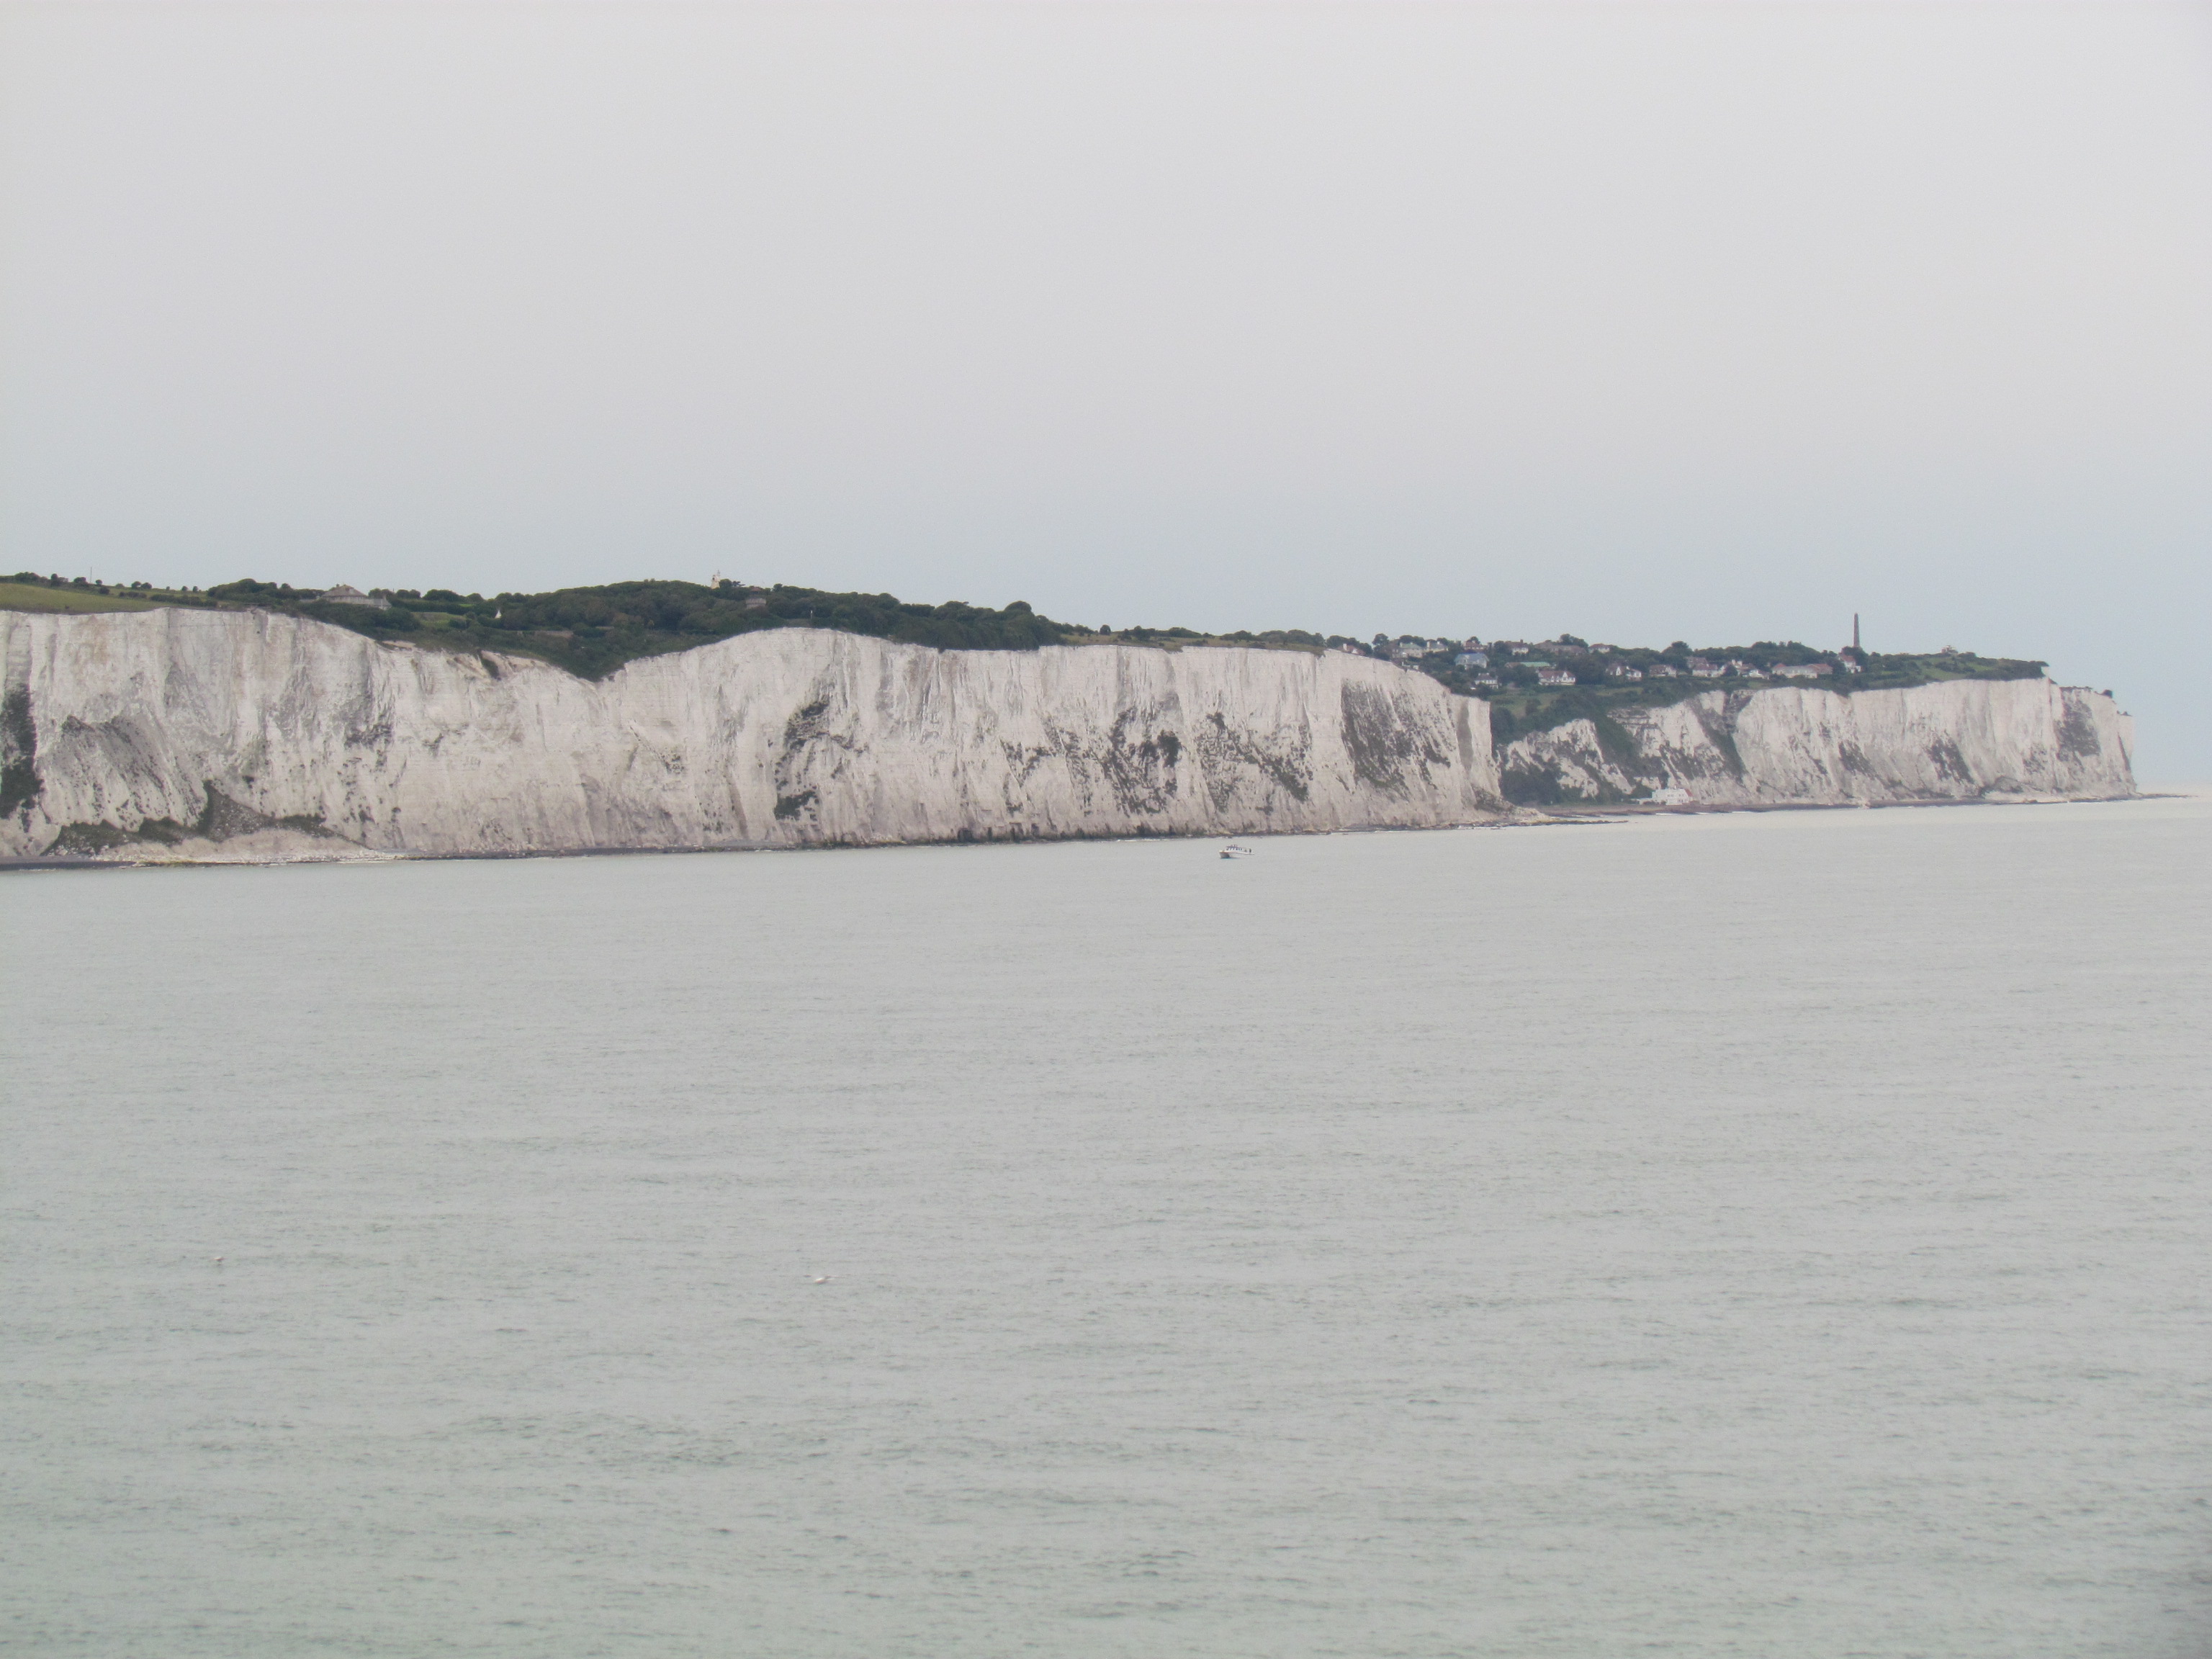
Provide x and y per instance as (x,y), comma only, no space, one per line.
(1721,729)
(1140,766)
(220,819)
(1386,743)
(19,752)
(1528,780)
(1517,710)
(2078,736)
(1539,779)
(1222,749)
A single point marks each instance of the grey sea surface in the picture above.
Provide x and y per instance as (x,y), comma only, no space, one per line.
(1766,1235)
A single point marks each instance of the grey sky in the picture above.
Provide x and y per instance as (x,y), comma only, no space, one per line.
(1647,321)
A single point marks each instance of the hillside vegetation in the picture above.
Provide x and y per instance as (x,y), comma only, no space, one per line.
(26,596)
(592,631)
(1517,708)
(595,630)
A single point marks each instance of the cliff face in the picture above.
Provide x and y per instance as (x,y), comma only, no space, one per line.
(261,732)
(1957,740)
(252,734)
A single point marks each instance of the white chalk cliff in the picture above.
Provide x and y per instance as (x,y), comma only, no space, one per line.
(261,731)
(1954,740)
(194,734)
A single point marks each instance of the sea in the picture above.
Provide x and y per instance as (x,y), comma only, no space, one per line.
(1781,1235)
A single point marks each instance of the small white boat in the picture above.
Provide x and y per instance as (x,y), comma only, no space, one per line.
(1233,850)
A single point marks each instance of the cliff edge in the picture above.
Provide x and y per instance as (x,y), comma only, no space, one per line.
(129,734)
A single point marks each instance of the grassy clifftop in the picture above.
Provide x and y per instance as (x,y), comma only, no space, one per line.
(592,631)
(26,596)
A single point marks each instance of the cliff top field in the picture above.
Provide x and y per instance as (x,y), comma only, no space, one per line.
(592,631)
(26,596)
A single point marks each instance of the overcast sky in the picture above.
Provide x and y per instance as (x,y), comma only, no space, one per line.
(1646,321)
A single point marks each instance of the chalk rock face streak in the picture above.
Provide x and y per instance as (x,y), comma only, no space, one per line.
(1955,740)
(192,729)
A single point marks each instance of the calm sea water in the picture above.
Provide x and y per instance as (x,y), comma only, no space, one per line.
(1776,1235)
